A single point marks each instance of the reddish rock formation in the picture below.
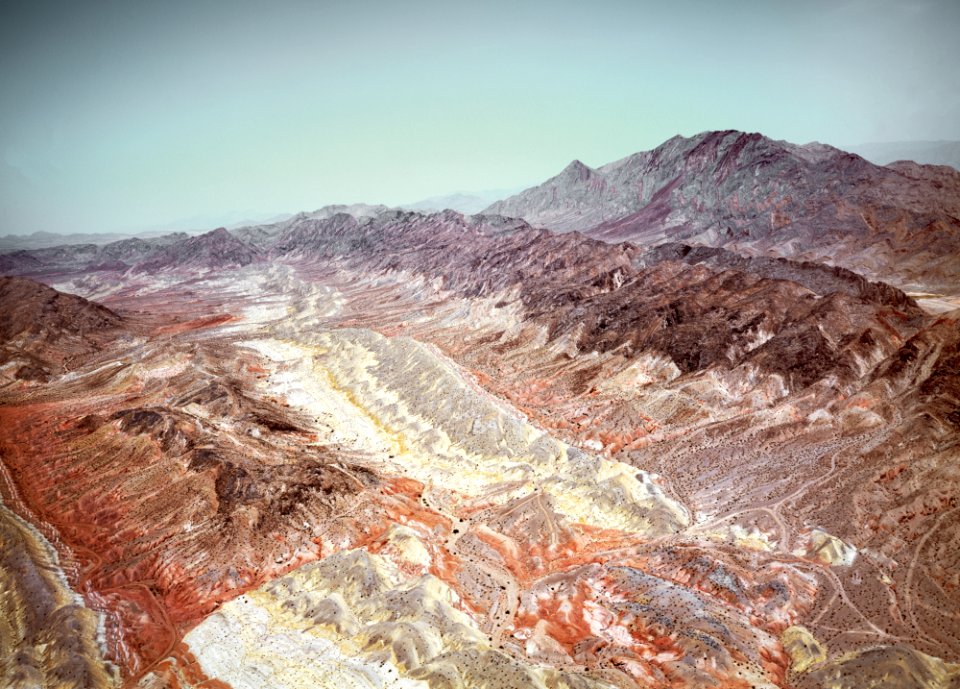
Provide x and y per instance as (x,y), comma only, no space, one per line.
(42,328)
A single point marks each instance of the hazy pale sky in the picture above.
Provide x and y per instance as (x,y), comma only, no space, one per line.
(128,115)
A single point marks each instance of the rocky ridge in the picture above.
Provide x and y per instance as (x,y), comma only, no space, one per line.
(758,196)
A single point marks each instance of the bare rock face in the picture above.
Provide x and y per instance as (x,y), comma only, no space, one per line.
(216,249)
(758,196)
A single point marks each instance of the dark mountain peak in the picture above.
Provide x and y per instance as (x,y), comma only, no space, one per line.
(733,146)
(215,249)
(718,136)
(138,248)
(734,189)
(679,146)
(310,234)
(217,239)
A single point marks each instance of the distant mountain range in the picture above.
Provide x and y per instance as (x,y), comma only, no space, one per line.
(924,152)
(42,240)
(261,235)
(462,202)
(117,255)
(746,193)
(762,197)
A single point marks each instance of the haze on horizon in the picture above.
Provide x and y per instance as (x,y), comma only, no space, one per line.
(121,116)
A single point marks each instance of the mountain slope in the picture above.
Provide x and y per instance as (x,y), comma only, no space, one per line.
(216,249)
(42,328)
(763,197)
(43,312)
(802,322)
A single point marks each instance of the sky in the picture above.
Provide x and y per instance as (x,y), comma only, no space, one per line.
(130,115)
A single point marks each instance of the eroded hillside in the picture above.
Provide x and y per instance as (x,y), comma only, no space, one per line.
(409,450)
